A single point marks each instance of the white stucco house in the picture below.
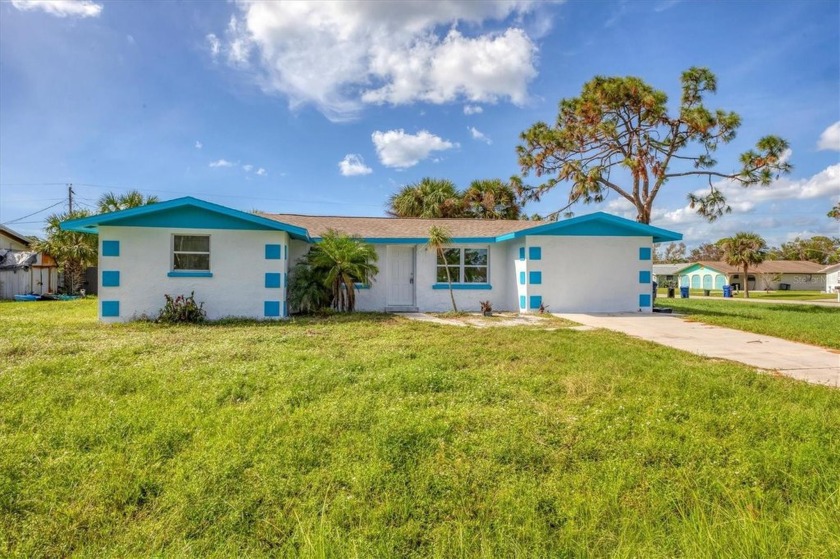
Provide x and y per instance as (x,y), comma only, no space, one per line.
(238,263)
(832,278)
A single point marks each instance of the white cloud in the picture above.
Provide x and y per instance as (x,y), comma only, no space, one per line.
(215,44)
(339,55)
(473,109)
(221,163)
(830,138)
(61,8)
(262,172)
(198,145)
(248,167)
(352,165)
(477,135)
(395,148)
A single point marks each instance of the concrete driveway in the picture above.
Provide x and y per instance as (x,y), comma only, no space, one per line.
(800,361)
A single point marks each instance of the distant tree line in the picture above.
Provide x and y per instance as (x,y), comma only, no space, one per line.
(819,249)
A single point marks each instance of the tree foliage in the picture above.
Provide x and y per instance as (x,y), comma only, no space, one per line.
(706,251)
(111,202)
(619,129)
(490,199)
(341,262)
(834,212)
(744,250)
(73,252)
(819,249)
(672,253)
(439,237)
(440,198)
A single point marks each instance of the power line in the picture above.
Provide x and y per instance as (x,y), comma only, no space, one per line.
(34,213)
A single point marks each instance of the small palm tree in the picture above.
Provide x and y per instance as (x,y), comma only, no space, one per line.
(343,262)
(111,202)
(491,199)
(74,252)
(744,250)
(428,198)
(439,237)
(307,292)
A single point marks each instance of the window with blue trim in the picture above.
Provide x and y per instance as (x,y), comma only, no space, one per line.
(465,265)
(191,253)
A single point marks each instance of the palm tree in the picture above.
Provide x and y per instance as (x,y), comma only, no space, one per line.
(74,252)
(491,199)
(307,292)
(744,250)
(428,198)
(439,237)
(343,262)
(111,202)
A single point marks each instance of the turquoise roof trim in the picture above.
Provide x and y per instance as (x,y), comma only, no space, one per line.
(183,213)
(598,224)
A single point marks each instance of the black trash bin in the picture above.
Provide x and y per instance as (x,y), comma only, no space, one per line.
(671,292)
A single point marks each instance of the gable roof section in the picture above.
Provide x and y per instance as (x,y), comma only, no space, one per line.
(766,267)
(598,224)
(14,235)
(182,213)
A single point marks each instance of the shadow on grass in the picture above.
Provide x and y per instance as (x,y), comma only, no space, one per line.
(311,319)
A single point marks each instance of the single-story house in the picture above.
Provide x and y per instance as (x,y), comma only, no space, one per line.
(771,275)
(664,273)
(23,270)
(832,278)
(238,263)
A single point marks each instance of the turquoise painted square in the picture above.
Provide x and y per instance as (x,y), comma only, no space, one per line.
(284,309)
(273,252)
(521,278)
(535,278)
(644,276)
(110,248)
(536,301)
(272,280)
(644,253)
(522,301)
(535,253)
(110,308)
(271,308)
(522,256)
(110,278)
(644,300)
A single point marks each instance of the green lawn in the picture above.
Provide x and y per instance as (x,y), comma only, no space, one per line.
(780,295)
(810,324)
(373,436)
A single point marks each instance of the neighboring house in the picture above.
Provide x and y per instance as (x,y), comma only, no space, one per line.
(664,273)
(770,275)
(832,278)
(23,270)
(238,263)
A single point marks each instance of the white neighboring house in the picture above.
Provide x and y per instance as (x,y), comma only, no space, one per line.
(663,273)
(22,270)
(832,278)
(238,263)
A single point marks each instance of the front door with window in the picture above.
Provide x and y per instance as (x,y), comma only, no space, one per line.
(400,276)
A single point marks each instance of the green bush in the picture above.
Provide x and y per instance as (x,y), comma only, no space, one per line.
(182,309)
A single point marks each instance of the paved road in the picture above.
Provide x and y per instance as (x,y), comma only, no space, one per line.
(800,361)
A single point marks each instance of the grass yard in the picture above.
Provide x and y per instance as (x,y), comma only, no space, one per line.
(662,293)
(810,324)
(373,436)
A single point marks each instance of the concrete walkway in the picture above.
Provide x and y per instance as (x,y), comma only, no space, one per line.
(800,361)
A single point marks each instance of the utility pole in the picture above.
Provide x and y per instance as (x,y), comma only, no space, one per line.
(70,194)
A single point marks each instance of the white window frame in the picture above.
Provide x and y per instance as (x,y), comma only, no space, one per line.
(172,252)
(461,266)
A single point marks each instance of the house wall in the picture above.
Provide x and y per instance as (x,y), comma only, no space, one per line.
(797,282)
(588,274)
(237,261)
(7,242)
(832,280)
(701,277)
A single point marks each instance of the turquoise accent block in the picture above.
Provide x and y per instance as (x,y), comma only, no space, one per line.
(285,312)
(273,252)
(110,278)
(110,248)
(177,274)
(271,309)
(272,280)
(536,301)
(521,278)
(535,278)
(462,286)
(644,276)
(644,300)
(110,308)
(644,253)
(522,300)
(522,256)
(535,253)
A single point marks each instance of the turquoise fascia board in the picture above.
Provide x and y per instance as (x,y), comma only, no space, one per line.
(271,309)
(596,224)
(110,248)
(181,213)
(418,240)
(273,252)
(535,302)
(644,276)
(698,267)
(110,278)
(110,308)
(644,300)
(272,280)
(188,274)
(535,278)
(477,286)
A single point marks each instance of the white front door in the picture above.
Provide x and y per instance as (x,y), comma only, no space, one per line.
(400,276)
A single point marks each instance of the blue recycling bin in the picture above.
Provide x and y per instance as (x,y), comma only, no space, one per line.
(727,291)
(683,293)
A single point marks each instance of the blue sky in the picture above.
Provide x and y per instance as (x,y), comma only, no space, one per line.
(327,108)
